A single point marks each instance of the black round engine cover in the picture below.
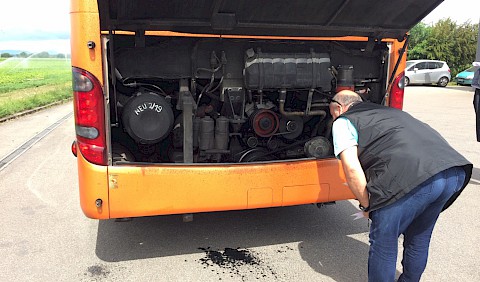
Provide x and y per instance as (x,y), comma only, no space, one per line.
(147,118)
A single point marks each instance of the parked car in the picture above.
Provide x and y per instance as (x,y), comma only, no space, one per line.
(465,77)
(427,72)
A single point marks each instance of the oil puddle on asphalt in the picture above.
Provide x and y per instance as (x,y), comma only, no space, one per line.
(229,257)
(239,262)
(102,272)
(97,272)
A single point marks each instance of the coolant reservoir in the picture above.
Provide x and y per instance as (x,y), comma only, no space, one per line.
(345,78)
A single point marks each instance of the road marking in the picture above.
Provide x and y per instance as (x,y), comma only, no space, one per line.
(8,159)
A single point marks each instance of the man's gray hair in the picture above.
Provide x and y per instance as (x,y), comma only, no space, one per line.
(347,97)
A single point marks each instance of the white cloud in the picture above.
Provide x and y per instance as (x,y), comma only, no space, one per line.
(50,15)
(35,26)
(458,11)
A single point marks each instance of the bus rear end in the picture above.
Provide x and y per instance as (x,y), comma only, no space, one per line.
(184,106)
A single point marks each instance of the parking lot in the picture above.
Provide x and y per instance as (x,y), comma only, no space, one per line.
(45,236)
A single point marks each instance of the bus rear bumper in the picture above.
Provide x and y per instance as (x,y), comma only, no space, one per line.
(136,190)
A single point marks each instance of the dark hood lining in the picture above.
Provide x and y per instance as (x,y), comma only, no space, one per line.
(377,19)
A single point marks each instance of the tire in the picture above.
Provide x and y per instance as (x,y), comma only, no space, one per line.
(407,81)
(443,81)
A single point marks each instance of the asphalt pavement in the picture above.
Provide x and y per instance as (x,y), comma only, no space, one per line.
(46,237)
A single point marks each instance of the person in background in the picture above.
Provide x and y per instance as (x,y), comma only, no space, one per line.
(402,172)
(476,97)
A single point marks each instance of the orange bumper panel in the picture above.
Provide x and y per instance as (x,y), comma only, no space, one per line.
(93,182)
(159,190)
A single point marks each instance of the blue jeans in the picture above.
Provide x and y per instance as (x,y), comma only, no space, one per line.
(414,216)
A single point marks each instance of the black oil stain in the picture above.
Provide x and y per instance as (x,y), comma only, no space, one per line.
(241,262)
(284,249)
(103,272)
(97,271)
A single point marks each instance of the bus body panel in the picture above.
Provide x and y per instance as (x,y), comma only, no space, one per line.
(395,56)
(85,28)
(156,190)
(134,190)
(93,183)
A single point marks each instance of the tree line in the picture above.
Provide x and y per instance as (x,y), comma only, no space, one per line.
(446,41)
(34,55)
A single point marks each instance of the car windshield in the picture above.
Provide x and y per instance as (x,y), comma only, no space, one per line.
(471,69)
(409,64)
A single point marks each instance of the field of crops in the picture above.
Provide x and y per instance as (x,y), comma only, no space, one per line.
(27,83)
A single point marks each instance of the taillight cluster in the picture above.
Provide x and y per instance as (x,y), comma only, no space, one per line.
(89,116)
(397,92)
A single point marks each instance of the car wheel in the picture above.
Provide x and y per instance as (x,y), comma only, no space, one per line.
(443,81)
(407,81)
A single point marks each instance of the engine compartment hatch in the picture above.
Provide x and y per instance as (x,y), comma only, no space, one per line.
(370,18)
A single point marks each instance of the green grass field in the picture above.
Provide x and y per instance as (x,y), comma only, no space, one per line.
(27,83)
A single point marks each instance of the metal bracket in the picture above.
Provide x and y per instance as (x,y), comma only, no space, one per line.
(370,44)
(187,115)
(140,39)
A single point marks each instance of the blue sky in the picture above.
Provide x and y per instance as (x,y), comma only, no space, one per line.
(37,26)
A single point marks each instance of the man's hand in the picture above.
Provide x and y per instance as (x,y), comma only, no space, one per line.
(366,214)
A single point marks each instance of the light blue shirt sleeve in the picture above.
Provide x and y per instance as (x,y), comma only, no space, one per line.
(345,135)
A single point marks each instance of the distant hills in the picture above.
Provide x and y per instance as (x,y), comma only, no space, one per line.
(26,54)
(16,42)
(18,52)
(12,52)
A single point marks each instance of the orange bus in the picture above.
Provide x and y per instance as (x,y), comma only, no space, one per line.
(199,106)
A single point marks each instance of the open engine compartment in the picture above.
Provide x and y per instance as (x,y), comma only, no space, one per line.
(220,100)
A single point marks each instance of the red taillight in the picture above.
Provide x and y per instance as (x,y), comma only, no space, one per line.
(89,116)
(397,92)
(92,153)
(74,148)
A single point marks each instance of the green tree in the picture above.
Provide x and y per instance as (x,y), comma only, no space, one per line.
(5,55)
(441,42)
(465,46)
(446,41)
(418,41)
(42,55)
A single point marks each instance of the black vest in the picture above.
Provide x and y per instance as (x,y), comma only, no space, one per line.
(398,152)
